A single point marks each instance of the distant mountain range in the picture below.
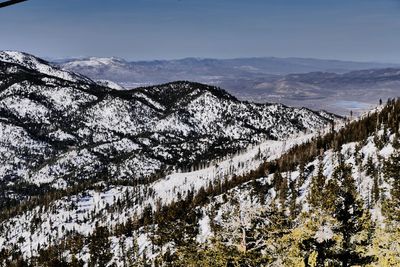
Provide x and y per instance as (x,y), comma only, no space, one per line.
(160,71)
(338,86)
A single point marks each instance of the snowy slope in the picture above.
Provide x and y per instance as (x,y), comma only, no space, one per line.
(89,147)
(79,213)
(33,63)
(135,134)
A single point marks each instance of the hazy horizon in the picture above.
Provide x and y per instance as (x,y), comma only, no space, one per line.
(210,58)
(142,30)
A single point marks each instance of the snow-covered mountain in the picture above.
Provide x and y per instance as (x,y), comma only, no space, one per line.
(184,173)
(59,128)
(61,132)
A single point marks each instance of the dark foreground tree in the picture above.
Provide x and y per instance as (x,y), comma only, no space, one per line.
(99,247)
(354,222)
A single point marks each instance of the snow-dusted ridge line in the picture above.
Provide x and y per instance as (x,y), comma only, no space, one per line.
(110,84)
(174,124)
(42,66)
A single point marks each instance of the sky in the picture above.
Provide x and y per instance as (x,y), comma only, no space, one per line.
(358,30)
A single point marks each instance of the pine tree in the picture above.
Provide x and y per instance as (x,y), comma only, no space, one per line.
(387,240)
(392,175)
(372,171)
(293,205)
(316,195)
(99,247)
(396,141)
(302,177)
(283,191)
(317,242)
(353,221)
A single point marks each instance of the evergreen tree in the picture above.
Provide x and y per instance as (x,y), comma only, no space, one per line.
(317,241)
(99,247)
(316,195)
(353,221)
(294,207)
(392,175)
(387,240)
(372,171)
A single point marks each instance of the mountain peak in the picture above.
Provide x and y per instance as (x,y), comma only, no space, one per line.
(31,62)
(21,58)
(94,62)
(182,91)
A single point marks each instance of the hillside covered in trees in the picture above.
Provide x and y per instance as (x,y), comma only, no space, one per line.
(206,180)
(76,154)
(331,200)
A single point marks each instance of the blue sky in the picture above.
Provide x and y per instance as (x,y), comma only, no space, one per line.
(363,30)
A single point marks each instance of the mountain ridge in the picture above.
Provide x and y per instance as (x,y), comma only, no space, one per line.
(69,62)
(78,124)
